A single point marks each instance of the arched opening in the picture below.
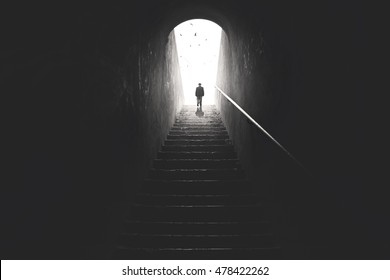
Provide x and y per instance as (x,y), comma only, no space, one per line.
(198,43)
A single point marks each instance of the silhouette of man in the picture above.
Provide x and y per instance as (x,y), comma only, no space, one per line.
(199,94)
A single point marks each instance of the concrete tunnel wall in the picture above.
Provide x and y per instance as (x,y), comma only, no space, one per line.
(295,69)
(92,97)
(85,93)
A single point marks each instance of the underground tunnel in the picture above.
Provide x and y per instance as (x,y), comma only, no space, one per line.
(95,95)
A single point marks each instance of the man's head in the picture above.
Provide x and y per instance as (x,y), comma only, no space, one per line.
(199,84)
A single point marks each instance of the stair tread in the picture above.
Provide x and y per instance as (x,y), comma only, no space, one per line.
(196,201)
(191,148)
(197,169)
(198,159)
(194,152)
(200,248)
(200,223)
(211,145)
(196,126)
(195,180)
(190,142)
(197,195)
(198,235)
(197,132)
(194,136)
(197,206)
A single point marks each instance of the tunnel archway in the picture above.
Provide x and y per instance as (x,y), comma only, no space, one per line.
(198,42)
(183,12)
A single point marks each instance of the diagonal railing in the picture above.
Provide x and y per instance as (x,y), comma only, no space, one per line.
(263,130)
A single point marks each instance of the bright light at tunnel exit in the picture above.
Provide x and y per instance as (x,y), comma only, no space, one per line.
(198,42)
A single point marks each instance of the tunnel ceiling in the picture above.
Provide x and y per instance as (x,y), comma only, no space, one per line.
(181,14)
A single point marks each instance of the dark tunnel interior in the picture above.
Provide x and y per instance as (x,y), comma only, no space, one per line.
(92,90)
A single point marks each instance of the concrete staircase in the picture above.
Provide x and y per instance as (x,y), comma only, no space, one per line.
(196,203)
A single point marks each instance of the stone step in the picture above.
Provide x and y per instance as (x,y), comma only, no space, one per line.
(198,148)
(228,253)
(208,113)
(195,163)
(198,125)
(201,129)
(198,132)
(205,199)
(196,240)
(197,155)
(197,122)
(186,142)
(198,136)
(175,227)
(197,128)
(197,174)
(196,186)
(192,213)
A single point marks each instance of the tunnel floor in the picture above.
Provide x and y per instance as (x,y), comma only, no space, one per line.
(196,202)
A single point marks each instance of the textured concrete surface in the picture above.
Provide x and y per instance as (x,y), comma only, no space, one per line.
(87,91)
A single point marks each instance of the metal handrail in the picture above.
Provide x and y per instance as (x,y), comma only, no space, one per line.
(261,128)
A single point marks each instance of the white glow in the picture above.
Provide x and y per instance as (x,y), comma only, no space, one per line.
(198,43)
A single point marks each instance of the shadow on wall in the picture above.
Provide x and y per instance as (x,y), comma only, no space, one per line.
(86,127)
(294,82)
